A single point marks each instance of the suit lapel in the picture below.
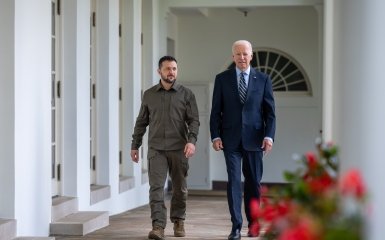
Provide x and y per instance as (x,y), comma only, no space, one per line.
(252,82)
(234,83)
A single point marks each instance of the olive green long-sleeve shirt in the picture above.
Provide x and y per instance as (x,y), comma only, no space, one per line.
(172,116)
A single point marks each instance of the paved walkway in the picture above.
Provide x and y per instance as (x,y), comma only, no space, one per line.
(207,219)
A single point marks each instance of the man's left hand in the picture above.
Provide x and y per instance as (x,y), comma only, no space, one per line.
(189,150)
(267,146)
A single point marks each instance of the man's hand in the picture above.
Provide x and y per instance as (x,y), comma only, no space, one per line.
(135,155)
(267,146)
(189,150)
(217,144)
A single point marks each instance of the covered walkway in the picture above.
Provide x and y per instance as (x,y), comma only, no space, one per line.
(207,219)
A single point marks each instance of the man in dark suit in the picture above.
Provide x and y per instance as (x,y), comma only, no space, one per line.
(242,124)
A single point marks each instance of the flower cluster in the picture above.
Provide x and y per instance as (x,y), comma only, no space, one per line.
(316,204)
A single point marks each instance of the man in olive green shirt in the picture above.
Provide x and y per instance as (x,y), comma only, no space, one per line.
(171,112)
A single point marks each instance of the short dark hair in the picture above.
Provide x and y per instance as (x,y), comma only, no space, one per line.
(166,58)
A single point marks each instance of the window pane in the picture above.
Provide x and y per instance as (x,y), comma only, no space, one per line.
(294,77)
(300,86)
(262,58)
(281,63)
(280,89)
(272,59)
(289,69)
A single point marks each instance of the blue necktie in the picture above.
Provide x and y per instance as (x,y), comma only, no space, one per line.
(242,88)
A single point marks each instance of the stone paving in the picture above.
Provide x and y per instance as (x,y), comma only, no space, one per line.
(207,219)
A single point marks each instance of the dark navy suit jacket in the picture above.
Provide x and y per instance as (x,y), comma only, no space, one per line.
(235,123)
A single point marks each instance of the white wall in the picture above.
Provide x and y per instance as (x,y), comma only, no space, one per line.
(32,116)
(7,110)
(204,49)
(172,26)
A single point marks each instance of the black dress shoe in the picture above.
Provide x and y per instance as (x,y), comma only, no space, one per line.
(235,235)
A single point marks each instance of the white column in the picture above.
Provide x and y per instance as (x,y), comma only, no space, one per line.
(132,75)
(107,90)
(151,40)
(7,109)
(32,117)
(360,52)
(132,80)
(76,100)
(319,95)
(328,71)
(373,110)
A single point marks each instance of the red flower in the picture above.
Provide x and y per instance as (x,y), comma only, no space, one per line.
(284,207)
(305,209)
(303,230)
(311,159)
(270,213)
(320,184)
(352,183)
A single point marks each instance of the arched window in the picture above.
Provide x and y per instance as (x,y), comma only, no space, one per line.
(286,73)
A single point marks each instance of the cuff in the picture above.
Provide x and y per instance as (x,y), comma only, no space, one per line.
(269,139)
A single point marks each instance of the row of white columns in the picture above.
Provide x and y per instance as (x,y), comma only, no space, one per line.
(25,107)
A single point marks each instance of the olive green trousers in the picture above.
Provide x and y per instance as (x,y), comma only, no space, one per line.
(161,163)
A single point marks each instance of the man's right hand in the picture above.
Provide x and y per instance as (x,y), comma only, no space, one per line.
(135,155)
(217,144)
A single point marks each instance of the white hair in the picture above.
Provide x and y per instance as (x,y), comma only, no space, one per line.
(244,43)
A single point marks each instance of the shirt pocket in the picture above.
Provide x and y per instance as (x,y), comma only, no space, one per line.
(178,108)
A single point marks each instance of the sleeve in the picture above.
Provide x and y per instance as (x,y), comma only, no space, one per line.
(192,118)
(141,124)
(269,110)
(216,110)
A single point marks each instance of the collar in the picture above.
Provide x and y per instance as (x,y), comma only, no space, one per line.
(175,86)
(247,71)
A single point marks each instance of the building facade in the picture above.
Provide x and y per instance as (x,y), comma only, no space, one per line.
(72,74)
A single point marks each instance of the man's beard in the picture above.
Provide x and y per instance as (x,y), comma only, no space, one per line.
(167,80)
